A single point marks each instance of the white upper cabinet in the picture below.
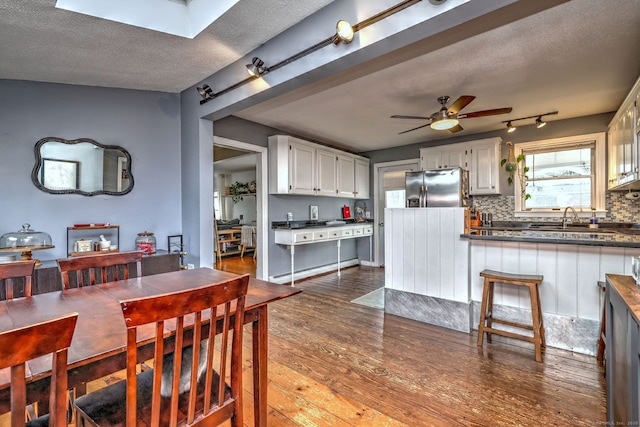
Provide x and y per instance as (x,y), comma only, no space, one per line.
(346,176)
(327,174)
(450,156)
(622,144)
(362,178)
(484,169)
(301,167)
(481,158)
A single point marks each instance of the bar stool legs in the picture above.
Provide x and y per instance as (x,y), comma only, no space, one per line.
(486,309)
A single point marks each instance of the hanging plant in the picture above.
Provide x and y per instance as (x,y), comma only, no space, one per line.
(237,190)
(516,169)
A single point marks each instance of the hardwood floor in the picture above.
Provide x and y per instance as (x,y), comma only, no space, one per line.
(235,264)
(336,363)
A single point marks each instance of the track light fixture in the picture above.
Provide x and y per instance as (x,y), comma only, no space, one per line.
(344,33)
(539,122)
(256,67)
(205,92)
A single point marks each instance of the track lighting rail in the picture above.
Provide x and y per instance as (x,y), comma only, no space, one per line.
(326,42)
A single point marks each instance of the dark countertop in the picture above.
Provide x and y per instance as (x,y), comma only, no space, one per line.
(291,225)
(607,234)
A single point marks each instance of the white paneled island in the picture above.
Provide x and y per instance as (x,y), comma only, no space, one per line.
(432,273)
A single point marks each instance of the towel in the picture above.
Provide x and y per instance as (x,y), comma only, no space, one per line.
(247,235)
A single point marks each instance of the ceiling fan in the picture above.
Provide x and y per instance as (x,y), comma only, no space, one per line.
(447,118)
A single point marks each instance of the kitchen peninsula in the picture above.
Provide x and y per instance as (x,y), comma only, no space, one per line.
(572,261)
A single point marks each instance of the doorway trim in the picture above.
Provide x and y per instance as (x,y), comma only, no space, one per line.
(376,198)
(262,200)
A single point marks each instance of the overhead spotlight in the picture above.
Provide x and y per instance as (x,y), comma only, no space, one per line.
(205,92)
(256,67)
(344,32)
(540,123)
(511,128)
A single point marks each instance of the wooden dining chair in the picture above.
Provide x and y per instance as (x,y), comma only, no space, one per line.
(22,270)
(112,267)
(20,345)
(176,391)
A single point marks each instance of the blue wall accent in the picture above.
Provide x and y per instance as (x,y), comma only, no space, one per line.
(147,124)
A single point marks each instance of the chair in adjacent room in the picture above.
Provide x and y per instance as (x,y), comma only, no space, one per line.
(201,394)
(18,346)
(248,239)
(21,270)
(111,267)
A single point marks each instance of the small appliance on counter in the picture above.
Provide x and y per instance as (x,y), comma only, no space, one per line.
(437,188)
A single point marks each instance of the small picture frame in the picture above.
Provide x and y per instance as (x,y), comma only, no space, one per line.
(313,212)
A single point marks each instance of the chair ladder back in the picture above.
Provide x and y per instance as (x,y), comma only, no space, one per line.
(188,308)
(116,263)
(13,270)
(20,345)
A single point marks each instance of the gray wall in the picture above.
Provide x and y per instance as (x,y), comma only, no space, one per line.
(147,124)
(310,256)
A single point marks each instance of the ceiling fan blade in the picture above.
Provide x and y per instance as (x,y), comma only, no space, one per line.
(459,104)
(419,127)
(409,117)
(485,113)
(456,128)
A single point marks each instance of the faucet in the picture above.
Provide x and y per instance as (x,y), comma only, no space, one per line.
(564,216)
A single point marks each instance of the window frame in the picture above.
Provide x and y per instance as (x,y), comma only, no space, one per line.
(599,172)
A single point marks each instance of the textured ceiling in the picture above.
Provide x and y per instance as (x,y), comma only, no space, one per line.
(580,57)
(41,43)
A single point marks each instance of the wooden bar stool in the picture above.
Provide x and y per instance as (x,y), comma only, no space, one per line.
(602,338)
(486,309)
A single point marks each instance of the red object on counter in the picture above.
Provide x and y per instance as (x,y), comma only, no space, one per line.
(346,212)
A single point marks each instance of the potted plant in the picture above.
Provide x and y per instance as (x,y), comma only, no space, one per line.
(237,190)
(517,170)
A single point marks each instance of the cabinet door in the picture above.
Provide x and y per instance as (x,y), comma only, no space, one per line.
(430,158)
(484,169)
(362,179)
(346,176)
(327,176)
(612,139)
(302,169)
(454,158)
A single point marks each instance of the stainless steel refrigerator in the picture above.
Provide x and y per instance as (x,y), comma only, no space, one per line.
(437,188)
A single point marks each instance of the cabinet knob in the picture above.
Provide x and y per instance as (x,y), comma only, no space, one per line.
(493,186)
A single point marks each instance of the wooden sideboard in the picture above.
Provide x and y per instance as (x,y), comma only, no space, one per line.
(47,277)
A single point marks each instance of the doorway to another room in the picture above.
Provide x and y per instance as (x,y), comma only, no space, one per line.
(389,192)
(238,204)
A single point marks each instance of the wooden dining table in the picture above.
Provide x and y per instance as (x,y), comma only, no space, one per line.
(98,347)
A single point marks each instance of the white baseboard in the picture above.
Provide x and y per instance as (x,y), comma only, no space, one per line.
(286,278)
(368,263)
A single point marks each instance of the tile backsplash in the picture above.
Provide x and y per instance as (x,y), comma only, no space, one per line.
(619,208)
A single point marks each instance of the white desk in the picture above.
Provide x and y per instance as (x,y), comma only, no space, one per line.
(305,236)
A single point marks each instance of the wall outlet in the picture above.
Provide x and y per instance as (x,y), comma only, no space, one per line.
(190,266)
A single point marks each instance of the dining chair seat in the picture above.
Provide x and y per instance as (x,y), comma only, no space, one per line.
(19,346)
(208,399)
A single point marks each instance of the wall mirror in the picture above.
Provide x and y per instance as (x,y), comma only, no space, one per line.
(81,166)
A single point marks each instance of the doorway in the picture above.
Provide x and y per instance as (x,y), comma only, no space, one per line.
(389,179)
(245,164)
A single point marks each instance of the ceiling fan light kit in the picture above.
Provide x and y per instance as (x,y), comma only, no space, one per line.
(449,118)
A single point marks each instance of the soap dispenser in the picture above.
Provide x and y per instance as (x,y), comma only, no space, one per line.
(593,223)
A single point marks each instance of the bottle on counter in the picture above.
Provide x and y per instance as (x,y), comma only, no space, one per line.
(593,223)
